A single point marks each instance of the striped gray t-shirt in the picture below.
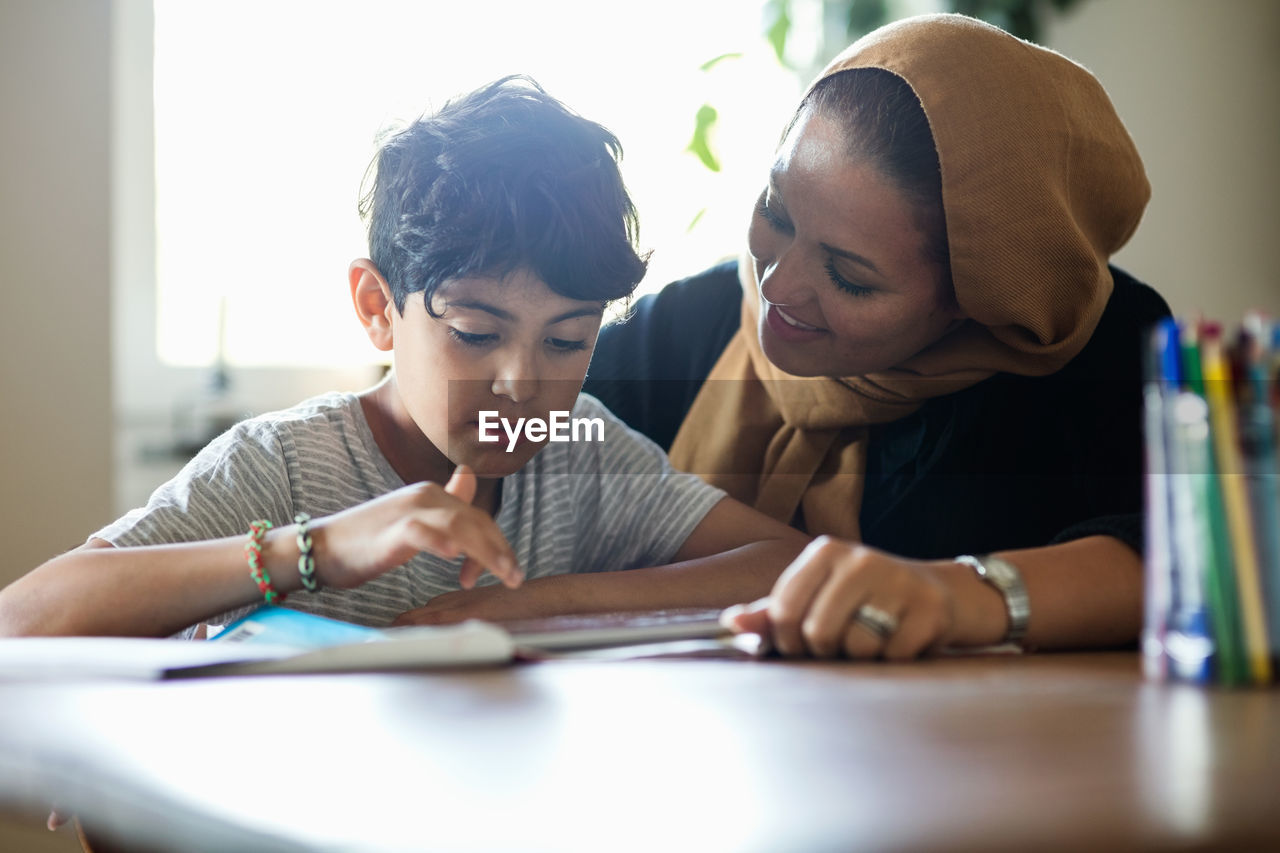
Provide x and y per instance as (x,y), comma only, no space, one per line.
(582,506)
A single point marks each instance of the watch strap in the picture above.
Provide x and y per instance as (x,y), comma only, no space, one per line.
(1006,578)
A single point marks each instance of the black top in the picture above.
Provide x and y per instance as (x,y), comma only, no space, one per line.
(1011,462)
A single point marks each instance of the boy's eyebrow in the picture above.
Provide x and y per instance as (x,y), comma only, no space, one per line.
(577,312)
(481,306)
(511,318)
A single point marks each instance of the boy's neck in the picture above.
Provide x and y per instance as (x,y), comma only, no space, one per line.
(410,453)
(488,494)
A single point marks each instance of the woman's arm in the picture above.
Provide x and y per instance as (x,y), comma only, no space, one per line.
(734,554)
(1088,593)
(1083,594)
(161,589)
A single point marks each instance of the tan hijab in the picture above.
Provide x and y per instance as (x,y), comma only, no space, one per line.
(1040,185)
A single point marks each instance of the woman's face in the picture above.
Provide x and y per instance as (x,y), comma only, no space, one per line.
(845,286)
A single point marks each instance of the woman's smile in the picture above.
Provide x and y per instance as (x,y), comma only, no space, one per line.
(790,328)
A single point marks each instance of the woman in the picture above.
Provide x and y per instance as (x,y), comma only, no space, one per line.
(926,357)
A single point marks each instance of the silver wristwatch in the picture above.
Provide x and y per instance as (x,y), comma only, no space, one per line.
(1005,577)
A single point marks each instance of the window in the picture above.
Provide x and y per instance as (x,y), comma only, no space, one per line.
(266,115)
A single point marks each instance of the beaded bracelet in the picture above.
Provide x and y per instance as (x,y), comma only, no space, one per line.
(306,562)
(253,553)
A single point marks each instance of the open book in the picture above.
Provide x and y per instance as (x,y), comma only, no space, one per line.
(278,640)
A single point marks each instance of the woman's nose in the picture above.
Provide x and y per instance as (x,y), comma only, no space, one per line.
(780,278)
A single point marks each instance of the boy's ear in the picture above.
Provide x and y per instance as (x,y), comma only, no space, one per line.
(371,297)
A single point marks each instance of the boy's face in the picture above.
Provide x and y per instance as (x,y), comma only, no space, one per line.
(509,345)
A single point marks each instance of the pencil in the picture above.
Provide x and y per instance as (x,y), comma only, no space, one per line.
(1225,437)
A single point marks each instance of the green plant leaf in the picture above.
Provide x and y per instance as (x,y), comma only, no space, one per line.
(711,63)
(697,217)
(778,27)
(700,145)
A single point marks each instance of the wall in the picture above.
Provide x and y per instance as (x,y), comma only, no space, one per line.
(55,347)
(1198,85)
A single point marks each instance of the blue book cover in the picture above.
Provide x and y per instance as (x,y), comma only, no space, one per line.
(284,626)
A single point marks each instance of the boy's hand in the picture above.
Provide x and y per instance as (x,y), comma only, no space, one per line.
(491,603)
(358,544)
(538,598)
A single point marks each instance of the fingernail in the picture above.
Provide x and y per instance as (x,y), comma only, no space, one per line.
(730,614)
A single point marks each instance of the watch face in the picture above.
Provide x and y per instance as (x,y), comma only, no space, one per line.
(999,572)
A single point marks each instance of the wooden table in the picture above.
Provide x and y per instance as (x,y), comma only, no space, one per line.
(1059,752)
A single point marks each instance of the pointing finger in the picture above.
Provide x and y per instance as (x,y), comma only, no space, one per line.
(462,485)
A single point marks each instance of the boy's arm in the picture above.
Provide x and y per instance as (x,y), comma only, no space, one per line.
(158,590)
(735,554)
(154,591)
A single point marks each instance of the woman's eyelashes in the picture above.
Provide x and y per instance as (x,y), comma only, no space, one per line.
(777,222)
(844,284)
(471,339)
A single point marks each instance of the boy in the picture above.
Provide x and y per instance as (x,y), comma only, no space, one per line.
(499,228)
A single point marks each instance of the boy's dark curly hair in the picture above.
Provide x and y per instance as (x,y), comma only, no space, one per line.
(502,178)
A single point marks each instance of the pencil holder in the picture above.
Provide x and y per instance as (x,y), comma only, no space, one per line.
(1212,565)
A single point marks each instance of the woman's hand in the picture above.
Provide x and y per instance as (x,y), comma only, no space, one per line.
(843,598)
(358,544)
